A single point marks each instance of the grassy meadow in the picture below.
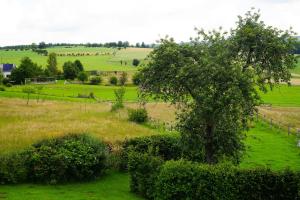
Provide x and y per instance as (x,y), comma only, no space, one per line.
(114,186)
(99,58)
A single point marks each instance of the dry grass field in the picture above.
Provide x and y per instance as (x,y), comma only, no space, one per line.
(21,124)
(285,116)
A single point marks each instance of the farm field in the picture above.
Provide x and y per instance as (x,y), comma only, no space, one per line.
(27,124)
(283,95)
(114,186)
(105,61)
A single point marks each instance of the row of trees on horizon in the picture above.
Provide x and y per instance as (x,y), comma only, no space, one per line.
(43,45)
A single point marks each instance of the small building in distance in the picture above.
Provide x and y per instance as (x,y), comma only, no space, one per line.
(6,69)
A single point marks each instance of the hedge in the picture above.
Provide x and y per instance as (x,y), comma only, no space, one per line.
(187,180)
(143,169)
(165,146)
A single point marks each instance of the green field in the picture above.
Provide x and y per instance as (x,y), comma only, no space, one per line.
(282,95)
(109,62)
(114,186)
(297,69)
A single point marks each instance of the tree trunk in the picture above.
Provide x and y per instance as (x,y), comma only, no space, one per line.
(209,150)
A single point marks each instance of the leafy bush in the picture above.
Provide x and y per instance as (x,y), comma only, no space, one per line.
(69,158)
(113,80)
(82,76)
(5,81)
(118,104)
(8,85)
(96,80)
(135,62)
(143,169)
(139,115)
(136,78)
(187,180)
(165,146)
(13,168)
(123,78)
(2,89)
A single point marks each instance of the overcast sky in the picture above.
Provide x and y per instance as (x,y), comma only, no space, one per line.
(81,21)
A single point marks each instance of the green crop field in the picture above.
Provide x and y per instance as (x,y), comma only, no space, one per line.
(106,60)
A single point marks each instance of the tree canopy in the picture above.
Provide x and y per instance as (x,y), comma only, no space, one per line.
(213,80)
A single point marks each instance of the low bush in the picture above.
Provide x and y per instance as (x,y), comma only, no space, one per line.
(165,146)
(143,169)
(2,89)
(139,115)
(113,80)
(187,180)
(8,85)
(69,158)
(96,80)
(136,79)
(13,168)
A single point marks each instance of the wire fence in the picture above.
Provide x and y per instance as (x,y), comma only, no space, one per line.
(286,127)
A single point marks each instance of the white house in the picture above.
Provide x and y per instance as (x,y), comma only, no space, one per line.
(6,69)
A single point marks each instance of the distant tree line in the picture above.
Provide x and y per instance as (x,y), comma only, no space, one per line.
(43,45)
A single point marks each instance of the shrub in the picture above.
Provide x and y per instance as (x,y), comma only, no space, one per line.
(187,180)
(136,78)
(139,115)
(5,81)
(82,76)
(69,158)
(118,104)
(13,168)
(2,89)
(123,78)
(135,62)
(165,146)
(113,80)
(8,85)
(96,80)
(143,169)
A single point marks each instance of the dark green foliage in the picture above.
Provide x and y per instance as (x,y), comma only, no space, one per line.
(70,70)
(78,65)
(82,76)
(135,62)
(214,79)
(13,168)
(187,180)
(113,80)
(5,81)
(139,115)
(143,169)
(8,85)
(165,146)
(2,89)
(27,69)
(68,158)
(95,80)
(123,78)
(52,64)
(136,78)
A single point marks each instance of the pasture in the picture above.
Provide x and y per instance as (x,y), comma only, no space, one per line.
(282,95)
(28,124)
(99,58)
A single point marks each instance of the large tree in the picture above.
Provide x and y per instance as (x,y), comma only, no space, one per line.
(27,69)
(70,70)
(52,64)
(213,80)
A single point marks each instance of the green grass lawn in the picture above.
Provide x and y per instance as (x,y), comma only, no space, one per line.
(69,92)
(297,69)
(283,95)
(114,186)
(92,62)
(271,147)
